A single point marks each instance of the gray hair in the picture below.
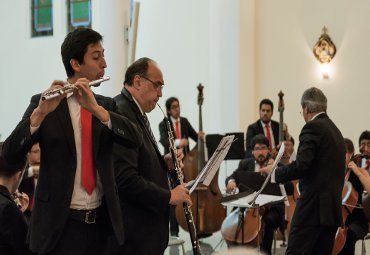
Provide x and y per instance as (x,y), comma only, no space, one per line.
(314,99)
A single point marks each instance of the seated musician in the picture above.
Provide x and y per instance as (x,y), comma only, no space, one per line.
(273,216)
(13,223)
(356,221)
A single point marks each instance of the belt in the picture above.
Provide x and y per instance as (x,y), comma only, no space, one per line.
(87,216)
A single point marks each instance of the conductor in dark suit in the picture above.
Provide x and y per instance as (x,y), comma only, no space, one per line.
(265,126)
(142,173)
(13,224)
(183,130)
(76,205)
(320,167)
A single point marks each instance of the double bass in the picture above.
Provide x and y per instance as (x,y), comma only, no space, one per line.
(206,208)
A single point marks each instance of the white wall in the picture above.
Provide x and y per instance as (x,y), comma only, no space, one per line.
(287,30)
(240,50)
(29,65)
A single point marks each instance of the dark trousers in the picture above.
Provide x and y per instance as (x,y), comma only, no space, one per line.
(308,240)
(271,220)
(80,238)
(356,231)
(174,225)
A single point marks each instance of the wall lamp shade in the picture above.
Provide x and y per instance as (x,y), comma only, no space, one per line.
(324,50)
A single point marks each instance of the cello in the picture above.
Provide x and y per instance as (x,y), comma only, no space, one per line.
(207,210)
(349,202)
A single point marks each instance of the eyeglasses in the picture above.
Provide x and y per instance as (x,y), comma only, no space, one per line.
(157,85)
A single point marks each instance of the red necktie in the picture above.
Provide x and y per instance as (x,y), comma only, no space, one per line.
(88,173)
(268,135)
(367,164)
(177,123)
(32,200)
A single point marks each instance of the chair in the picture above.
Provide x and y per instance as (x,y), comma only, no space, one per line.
(176,241)
(363,249)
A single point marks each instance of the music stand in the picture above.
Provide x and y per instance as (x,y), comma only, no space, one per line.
(236,150)
(257,199)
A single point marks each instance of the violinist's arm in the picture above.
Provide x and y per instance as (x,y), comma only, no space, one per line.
(362,174)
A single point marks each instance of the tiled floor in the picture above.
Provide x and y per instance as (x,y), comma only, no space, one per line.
(215,245)
(210,245)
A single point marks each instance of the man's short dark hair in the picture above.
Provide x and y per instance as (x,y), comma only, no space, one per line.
(139,67)
(267,101)
(75,46)
(364,136)
(261,139)
(9,168)
(349,145)
(170,101)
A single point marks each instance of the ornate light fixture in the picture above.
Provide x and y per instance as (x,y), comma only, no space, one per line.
(324,50)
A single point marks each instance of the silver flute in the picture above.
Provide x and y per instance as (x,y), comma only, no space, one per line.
(70,88)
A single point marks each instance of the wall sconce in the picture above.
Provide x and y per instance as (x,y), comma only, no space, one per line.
(324,51)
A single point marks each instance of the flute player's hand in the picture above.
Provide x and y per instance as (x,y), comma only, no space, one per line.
(87,100)
(46,106)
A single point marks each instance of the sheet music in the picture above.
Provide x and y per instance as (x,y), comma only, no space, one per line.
(261,200)
(206,175)
(274,166)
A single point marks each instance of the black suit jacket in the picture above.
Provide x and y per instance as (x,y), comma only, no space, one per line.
(27,186)
(186,131)
(13,226)
(320,169)
(255,129)
(141,175)
(58,167)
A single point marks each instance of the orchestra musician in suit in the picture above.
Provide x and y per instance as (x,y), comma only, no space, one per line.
(273,216)
(364,148)
(30,176)
(183,130)
(356,221)
(265,126)
(13,224)
(320,167)
(76,204)
(181,127)
(142,173)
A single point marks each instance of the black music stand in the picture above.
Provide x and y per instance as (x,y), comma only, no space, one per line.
(236,150)
(248,180)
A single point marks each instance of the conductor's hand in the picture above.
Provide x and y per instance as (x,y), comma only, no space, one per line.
(231,186)
(267,169)
(180,195)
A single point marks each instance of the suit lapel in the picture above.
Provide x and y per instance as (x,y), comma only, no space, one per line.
(139,118)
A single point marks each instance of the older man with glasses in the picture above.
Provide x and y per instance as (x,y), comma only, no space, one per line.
(142,173)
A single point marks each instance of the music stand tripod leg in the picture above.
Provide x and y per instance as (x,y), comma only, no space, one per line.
(240,226)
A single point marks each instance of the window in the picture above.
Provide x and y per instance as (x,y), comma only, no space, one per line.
(42,17)
(79,14)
